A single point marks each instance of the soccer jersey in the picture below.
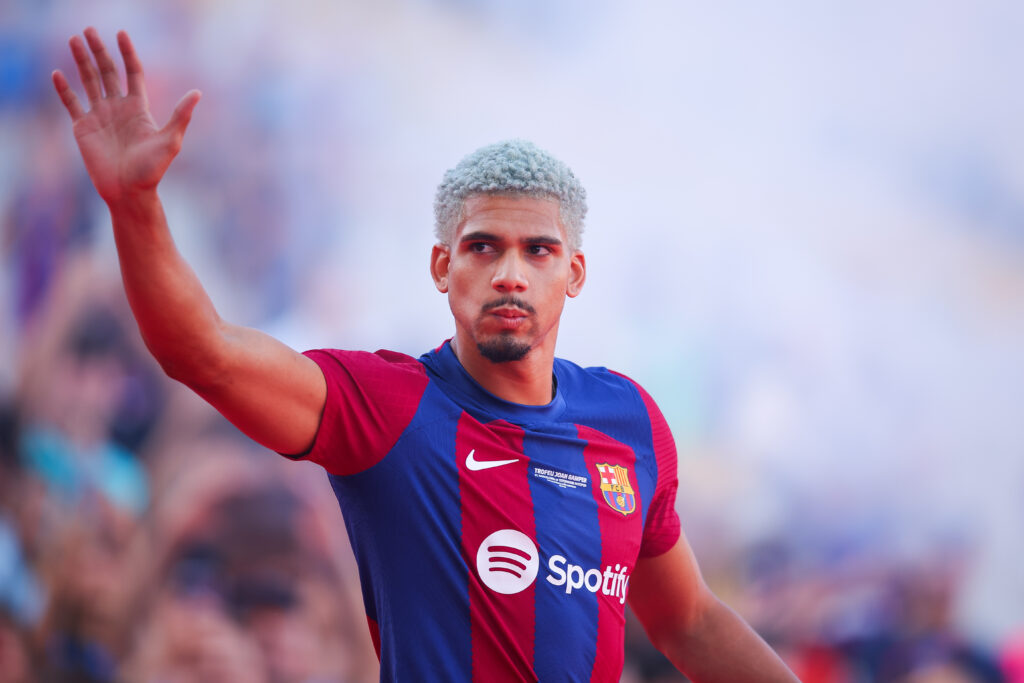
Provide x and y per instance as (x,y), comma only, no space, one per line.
(494,540)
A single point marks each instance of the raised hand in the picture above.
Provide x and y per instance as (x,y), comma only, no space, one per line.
(124,150)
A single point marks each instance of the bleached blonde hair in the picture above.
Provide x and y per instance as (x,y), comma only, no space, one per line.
(511,167)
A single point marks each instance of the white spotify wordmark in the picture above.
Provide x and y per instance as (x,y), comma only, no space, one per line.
(507,561)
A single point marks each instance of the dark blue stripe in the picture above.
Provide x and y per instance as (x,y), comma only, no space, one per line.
(615,407)
(404,521)
(566,525)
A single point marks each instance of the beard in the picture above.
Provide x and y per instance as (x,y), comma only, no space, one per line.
(503,349)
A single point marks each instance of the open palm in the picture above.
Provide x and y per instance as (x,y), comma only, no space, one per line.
(124,150)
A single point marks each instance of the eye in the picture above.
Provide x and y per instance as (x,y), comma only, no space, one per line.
(480,247)
(538,250)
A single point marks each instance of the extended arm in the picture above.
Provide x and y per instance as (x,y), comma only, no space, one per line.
(700,635)
(271,392)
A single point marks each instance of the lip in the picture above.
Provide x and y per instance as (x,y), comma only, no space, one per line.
(509,313)
(509,319)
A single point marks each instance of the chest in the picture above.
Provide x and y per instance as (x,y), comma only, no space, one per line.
(570,493)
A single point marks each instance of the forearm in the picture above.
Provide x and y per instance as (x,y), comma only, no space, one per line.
(176,317)
(274,394)
(720,647)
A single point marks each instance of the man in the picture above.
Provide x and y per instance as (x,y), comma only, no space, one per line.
(502,504)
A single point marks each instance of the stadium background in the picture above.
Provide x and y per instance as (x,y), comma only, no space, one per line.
(806,238)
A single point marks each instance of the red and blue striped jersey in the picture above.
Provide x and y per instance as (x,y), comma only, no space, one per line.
(494,540)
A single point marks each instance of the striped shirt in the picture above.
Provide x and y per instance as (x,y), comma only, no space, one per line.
(494,540)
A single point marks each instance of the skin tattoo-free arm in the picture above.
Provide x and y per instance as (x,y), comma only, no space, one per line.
(269,391)
(700,634)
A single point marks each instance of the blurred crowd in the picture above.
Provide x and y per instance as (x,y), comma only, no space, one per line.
(143,539)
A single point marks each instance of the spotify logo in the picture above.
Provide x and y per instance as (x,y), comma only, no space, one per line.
(507,561)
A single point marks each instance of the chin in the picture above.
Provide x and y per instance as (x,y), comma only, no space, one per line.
(503,349)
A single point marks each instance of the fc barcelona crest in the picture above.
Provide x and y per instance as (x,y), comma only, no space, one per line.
(615,486)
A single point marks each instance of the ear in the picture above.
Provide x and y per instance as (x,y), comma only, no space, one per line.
(440,261)
(577,274)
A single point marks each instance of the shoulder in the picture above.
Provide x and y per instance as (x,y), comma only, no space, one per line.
(602,385)
(379,358)
(391,380)
(381,364)
(614,403)
(371,399)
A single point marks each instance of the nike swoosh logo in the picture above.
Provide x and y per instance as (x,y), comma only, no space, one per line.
(476,465)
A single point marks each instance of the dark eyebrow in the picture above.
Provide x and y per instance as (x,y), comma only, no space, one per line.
(479,236)
(550,241)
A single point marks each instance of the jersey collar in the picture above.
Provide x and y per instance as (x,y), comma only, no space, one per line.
(444,367)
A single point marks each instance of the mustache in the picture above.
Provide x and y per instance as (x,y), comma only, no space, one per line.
(506,301)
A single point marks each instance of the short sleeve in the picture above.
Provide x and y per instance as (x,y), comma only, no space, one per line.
(662,528)
(371,399)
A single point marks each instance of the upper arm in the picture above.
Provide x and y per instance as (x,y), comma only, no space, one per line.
(341,409)
(668,594)
(271,392)
(702,636)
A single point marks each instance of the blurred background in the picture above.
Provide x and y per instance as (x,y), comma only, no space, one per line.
(806,239)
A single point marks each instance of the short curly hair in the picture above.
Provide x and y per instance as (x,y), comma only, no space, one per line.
(511,167)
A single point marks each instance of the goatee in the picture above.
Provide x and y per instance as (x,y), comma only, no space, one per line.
(503,349)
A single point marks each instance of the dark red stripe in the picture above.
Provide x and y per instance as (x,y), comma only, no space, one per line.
(502,625)
(371,399)
(374,635)
(620,543)
(663,529)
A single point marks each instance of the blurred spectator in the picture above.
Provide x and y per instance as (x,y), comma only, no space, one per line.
(239,578)
(48,218)
(21,592)
(68,444)
(15,654)
(21,595)
(86,568)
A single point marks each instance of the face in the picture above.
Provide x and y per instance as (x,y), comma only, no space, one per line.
(507,273)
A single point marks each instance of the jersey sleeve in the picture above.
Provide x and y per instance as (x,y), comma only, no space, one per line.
(371,399)
(662,528)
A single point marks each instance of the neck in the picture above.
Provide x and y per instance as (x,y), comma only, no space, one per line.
(528,381)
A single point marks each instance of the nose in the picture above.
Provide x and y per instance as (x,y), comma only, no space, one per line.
(509,274)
